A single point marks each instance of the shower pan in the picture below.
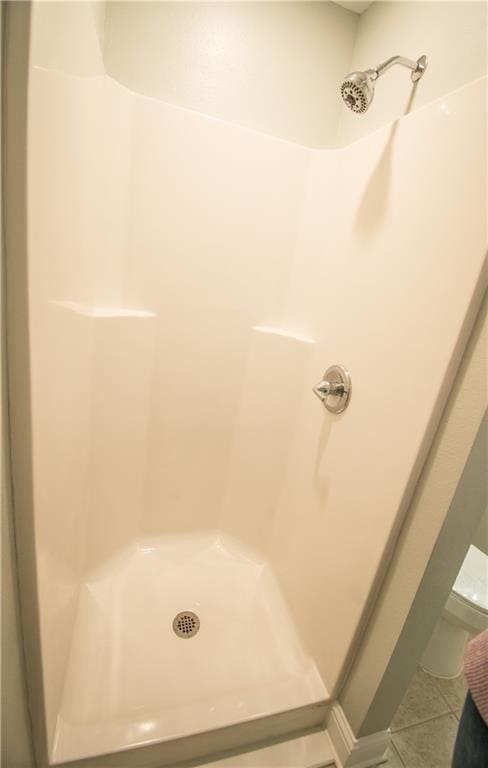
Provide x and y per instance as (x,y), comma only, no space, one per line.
(141,669)
(200,540)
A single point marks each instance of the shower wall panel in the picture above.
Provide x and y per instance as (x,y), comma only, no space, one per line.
(274,379)
(77,155)
(61,265)
(398,257)
(213,216)
(158,238)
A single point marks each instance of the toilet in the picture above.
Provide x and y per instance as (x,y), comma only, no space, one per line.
(465,614)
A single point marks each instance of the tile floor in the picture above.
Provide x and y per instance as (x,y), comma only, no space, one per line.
(425,725)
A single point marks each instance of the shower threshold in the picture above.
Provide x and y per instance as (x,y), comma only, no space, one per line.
(133,681)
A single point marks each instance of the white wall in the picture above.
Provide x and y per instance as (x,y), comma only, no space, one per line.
(16,747)
(481,536)
(275,67)
(16,721)
(452,34)
(16,743)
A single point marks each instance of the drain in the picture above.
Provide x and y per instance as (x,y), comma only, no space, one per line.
(186,624)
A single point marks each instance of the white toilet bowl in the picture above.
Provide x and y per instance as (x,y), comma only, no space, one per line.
(465,613)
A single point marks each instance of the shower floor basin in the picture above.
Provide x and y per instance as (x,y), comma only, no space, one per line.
(132,681)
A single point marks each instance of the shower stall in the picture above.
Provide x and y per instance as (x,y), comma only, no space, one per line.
(200,540)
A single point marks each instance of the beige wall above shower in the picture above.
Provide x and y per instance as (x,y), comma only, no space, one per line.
(277,66)
(274,67)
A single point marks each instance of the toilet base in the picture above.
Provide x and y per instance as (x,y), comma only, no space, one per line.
(443,656)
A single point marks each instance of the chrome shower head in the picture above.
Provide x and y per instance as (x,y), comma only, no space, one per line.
(357,90)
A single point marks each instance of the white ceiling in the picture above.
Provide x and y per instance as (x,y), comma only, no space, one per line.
(357,7)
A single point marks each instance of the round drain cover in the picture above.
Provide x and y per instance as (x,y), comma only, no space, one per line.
(186,624)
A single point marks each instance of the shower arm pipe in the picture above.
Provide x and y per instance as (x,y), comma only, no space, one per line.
(418,67)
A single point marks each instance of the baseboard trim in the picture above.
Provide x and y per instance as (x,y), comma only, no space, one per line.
(351,752)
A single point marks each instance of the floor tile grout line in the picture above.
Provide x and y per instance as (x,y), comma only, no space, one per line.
(448,704)
(421,722)
(445,680)
(454,708)
(398,755)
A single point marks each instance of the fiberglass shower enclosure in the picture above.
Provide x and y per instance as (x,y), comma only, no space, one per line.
(186,283)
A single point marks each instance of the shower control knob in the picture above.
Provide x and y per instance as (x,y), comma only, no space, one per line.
(334,390)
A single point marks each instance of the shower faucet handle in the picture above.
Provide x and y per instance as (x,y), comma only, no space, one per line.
(334,389)
(325,388)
